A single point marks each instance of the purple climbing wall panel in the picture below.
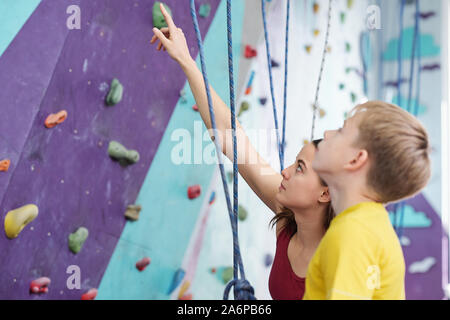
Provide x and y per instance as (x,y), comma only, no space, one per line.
(425,242)
(66,171)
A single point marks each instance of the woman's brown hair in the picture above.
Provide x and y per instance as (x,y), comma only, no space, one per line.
(287,216)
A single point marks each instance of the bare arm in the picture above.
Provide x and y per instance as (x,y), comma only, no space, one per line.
(263,179)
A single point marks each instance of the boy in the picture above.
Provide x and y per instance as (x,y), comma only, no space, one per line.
(380,155)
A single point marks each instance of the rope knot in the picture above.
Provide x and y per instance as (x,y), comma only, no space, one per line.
(242,290)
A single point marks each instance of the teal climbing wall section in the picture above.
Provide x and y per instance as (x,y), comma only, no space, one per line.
(13,15)
(168,217)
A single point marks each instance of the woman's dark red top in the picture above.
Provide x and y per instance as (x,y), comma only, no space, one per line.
(284,284)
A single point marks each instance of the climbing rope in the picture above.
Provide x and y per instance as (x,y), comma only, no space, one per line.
(242,288)
(414,110)
(281,145)
(322,64)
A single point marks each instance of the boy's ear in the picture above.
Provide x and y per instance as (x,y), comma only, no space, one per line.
(358,161)
(325,196)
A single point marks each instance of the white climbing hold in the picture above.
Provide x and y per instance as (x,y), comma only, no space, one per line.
(422,266)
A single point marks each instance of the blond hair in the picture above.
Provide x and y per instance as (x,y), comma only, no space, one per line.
(398,148)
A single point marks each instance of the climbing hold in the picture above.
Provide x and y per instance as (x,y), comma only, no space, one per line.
(244,107)
(40,285)
(195,108)
(242,213)
(212,198)
(329,49)
(305,142)
(115,93)
(263,101)
(132,212)
(55,119)
(308,48)
(341,86)
(350,4)
(227,274)
(177,278)
(230,176)
(316,7)
(348,47)
(343,17)
(183,96)
(204,10)
(274,64)
(119,152)
(90,295)
(77,239)
(268,259)
(4,165)
(158,18)
(194,191)
(322,113)
(16,220)
(316,32)
(187,296)
(184,287)
(250,52)
(248,89)
(143,263)
(353,97)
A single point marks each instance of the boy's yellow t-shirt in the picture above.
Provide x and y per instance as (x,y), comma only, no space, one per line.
(360,257)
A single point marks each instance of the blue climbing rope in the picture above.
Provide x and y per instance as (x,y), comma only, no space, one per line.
(414,111)
(242,288)
(269,62)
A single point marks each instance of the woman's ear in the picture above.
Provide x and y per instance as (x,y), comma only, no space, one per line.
(325,196)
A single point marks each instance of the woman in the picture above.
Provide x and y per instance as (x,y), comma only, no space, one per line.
(299,199)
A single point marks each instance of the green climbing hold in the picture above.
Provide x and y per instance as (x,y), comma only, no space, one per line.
(348,47)
(242,213)
(77,239)
(204,10)
(343,17)
(227,275)
(115,93)
(230,176)
(158,18)
(341,86)
(350,4)
(354,97)
(244,107)
(119,152)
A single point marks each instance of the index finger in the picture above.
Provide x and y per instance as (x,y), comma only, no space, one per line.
(168,18)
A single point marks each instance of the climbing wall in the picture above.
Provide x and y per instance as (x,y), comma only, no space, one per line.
(66,170)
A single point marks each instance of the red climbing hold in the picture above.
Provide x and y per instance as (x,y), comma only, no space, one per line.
(194,107)
(250,52)
(143,263)
(194,191)
(40,285)
(187,296)
(90,295)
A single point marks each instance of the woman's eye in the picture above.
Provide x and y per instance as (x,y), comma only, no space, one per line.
(300,167)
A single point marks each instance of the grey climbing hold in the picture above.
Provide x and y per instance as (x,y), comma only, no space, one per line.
(119,152)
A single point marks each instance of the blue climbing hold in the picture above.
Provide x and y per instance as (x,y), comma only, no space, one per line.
(177,278)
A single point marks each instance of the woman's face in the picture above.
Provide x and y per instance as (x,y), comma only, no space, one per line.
(301,187)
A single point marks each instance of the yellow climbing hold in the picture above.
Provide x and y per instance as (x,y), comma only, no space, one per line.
(17,219)
(316,32)
(184,287)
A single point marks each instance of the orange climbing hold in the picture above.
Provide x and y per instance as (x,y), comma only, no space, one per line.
(90,295)
(4,165)
(55,118)
(40,285)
